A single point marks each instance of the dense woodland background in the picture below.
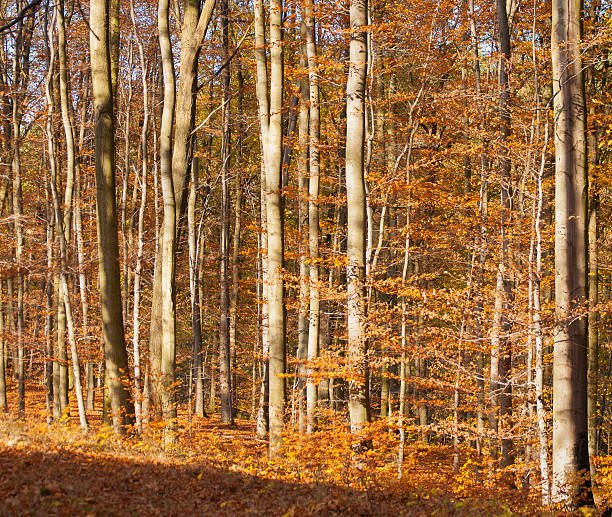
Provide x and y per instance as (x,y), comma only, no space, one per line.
(334,221)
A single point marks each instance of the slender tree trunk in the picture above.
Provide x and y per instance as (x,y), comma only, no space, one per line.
(270,116)
(18,215)
(49,364)
(501,347)
(274,207)
(59,377)
(194,25)
(19,242)
(236,238)
(64,234)
(168,233)
(302,166)
(235,282)
(194,267)
(126,227)
(108,246)
(225,373)
(78,219)
(3,407)
(212,399)
(539,340)
(355,193)
(570,482)
(90,386)
(313,215)
(138,392)
(262,406)
(199,380)
(593,324)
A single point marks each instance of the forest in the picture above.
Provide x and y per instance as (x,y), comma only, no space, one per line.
(294,257)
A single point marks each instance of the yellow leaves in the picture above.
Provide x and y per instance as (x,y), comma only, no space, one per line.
(588,511)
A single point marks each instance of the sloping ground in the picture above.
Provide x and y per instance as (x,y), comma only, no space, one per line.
(217,470)
(67,482)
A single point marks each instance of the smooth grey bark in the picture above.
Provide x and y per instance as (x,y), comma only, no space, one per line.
(125,222)
(302,179)
(78,223)
(313,215)
(501,348)
(593,324)
(262,405)
(571,484)
(194,25)
(274,207)
(3,406)
(59,367)
(538,334)
(20,71)
(261,86)
(106,204)
(225,371)
(236,237)
(355,193)
(90,387)
(63,294)
(138,392)
(194,269)
(270,116)
(235,280)
(168,231)
(49,307)
(63,225)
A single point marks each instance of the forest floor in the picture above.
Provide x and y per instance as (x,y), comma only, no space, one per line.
(220,470)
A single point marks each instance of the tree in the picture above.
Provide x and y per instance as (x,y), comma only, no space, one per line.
(355,198)
(313,211)
(175,167)
(570,482)
(225,370)
(270,101)
(106,208)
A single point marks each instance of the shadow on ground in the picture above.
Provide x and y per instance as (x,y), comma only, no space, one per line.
(64,482)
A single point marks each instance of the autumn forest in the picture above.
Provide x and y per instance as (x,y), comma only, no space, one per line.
(293,257)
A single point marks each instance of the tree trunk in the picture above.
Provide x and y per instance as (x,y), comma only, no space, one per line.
(3,406)
(194,25)
(90,385)
(194,267)
(270,115)
(274,207)
(235,282)
(570,484)
(302,166)
(313,216)
(138,395)
(108,246)
(593,323)
(501,351)
(539,340)
(168,233)
(225,373)
(355,194)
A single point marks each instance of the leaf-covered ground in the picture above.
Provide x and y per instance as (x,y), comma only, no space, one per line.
(217,470)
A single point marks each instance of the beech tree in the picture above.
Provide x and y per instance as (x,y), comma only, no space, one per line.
(570,469)
(355,198)
(108,247)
